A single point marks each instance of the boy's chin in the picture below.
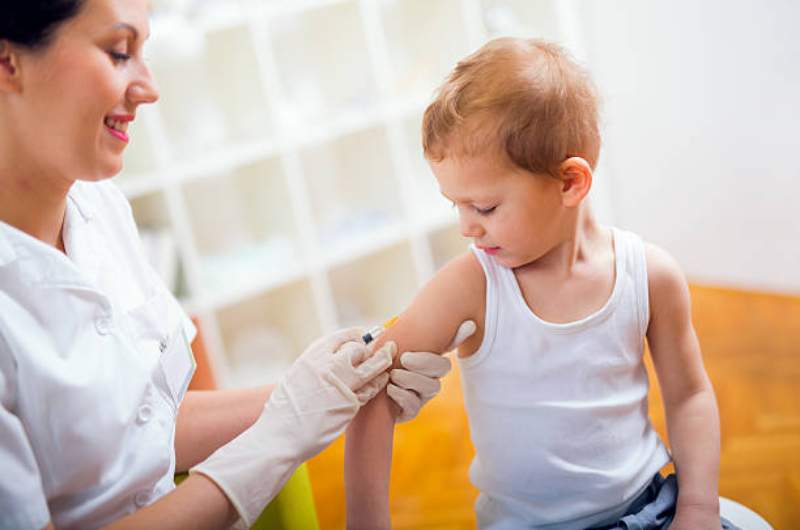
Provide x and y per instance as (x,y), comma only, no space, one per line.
(510,262)
(513,262)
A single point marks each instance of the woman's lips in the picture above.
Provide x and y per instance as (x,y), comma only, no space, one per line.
(119,135)
(117,125)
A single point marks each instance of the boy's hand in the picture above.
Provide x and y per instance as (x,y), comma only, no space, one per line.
(419,382)
(696,518)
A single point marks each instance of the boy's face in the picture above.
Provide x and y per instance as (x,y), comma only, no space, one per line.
(509,213)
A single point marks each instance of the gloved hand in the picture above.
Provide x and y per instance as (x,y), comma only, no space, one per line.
(419,382)
(311,405)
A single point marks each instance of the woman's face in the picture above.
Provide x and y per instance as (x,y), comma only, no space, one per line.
(77,96)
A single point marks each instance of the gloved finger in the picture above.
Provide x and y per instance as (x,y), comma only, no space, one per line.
(408,401)
(426,387)
(426,363)
(465,331)
(353,352)
(371,389)
(335,340)
(377,363)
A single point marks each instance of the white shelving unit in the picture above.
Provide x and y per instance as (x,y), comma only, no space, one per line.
(284,162)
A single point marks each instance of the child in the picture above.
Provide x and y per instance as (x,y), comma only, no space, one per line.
(554,381)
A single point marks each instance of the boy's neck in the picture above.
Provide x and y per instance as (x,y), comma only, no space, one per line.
(581,238)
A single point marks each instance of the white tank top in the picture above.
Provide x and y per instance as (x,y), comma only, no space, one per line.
(558,412)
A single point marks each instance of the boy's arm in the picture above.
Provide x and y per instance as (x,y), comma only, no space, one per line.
(689,401)
(456,293)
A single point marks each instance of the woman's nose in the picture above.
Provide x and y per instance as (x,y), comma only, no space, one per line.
(144,89)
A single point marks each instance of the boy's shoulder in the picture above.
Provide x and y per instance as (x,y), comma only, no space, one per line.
(668,290)
(455,293)
(663,271)
(460,281)
(465,266)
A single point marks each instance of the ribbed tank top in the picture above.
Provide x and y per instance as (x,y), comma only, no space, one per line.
(558,413)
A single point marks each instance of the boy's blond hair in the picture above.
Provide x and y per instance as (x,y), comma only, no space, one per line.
(525,97)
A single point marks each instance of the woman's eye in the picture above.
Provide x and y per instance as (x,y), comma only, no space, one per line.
(485,211)
(119,57)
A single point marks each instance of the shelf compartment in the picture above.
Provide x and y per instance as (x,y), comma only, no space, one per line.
(446,243)
(140,157)
(425,40)
(158,240)
(351,185)
(211,92)
(375,287)
(243,226)
(522,18)
(429,205)
(264,335)
(321,56)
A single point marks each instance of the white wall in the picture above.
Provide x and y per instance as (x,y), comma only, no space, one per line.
(702,131)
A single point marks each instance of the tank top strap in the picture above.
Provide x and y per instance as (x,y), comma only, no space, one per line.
(630,250)
(493,274)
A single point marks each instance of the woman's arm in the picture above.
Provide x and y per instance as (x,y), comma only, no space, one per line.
(689,401)
(197,503)
(455,294)
(207,420)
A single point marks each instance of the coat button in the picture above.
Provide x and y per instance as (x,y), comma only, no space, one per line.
(162,345)
(142,498)
(144,414)
(103,325)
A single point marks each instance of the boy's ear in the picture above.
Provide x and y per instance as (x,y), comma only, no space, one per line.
(9,68)
(576,180)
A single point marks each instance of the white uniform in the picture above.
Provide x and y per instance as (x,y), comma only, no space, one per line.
(558,412)
(93,363)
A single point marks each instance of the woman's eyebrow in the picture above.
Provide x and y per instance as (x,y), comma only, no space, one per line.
(125,25)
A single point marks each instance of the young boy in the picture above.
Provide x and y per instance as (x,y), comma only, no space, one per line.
(554,381)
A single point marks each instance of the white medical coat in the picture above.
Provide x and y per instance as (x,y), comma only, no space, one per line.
(87,418)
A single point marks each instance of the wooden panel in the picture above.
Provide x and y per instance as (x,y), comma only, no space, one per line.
(751,345)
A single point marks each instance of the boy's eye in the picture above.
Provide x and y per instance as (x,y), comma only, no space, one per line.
(485,211)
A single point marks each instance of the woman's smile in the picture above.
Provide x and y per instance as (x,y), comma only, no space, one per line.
(117,126)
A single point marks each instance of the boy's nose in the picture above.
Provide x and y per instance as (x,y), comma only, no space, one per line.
(470,228)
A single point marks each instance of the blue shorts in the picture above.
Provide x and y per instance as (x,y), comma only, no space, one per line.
(654,508)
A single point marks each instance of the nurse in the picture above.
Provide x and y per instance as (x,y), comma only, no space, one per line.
(94,350)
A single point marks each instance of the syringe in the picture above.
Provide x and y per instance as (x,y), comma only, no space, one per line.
(374,332)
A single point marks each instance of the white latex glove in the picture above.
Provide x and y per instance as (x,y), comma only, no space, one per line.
(419,382)
(311,405)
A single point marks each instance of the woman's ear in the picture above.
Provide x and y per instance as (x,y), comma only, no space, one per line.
(9,68)
(576,180)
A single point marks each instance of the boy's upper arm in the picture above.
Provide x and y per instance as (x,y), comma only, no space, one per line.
(455,293)
(670,333)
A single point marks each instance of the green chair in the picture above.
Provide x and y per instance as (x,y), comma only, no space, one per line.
(292,509)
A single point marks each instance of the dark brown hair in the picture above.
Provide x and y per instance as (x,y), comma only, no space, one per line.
(31,23)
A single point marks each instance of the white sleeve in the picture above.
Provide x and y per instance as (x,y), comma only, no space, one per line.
(22,500)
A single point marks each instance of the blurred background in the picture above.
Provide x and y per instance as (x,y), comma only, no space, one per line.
(280,191)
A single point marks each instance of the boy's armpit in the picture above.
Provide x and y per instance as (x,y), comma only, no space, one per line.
(457,292)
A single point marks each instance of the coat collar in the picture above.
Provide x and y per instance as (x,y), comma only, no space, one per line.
(43,264)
